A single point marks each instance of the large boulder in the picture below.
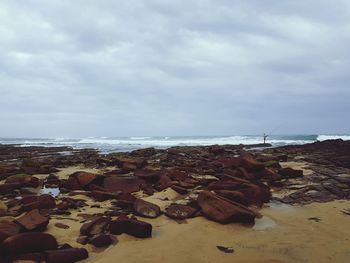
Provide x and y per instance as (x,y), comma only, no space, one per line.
(45,201)
(69,255)
(8,229)
(33,221)
(223,210)
(148,174)
(126,184)
(83,178)
(28,243)
(131,227)
(146,209)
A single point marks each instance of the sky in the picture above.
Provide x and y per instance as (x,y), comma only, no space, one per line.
(180,67)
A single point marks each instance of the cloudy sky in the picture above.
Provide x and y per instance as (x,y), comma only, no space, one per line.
(179,67)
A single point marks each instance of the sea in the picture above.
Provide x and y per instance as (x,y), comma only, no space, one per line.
(125,144)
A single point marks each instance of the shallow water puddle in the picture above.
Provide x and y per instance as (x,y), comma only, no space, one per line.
(264,223)
(51,191)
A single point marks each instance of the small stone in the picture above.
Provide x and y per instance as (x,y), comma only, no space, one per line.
(101,240)
(146,209)
(62,226)
(225,249)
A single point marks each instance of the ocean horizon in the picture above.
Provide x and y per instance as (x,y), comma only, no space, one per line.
(124,144)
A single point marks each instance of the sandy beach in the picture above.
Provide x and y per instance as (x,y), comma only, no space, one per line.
(297,224)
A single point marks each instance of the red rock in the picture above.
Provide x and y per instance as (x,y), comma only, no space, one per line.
(225,185)
(122,184)
(233,196)
(71,183)
(102,195)
(164,182)
(223,210)
(8,229)
(255,194)
(146,209)
(148,174)
(177,175)
(252,165)
(9,188)
(128,167)
(28,243)
(38,202)
(146,152)
(179,189)
(84,178)
(69,255)
(290,173)
(177,211)
(133,163)
(62,226)
(96,226)
(230,162)
(36,257)
(33,221)
(101,240)
(131,227)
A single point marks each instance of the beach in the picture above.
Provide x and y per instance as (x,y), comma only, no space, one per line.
(287,204)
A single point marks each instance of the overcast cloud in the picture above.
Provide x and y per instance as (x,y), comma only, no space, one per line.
(180,67)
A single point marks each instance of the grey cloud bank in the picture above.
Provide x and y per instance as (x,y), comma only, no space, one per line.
(125,68)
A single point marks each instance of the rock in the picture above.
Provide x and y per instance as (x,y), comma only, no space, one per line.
(24,179)
(115,184)
(101,240)
(9,188)
(131,227)
(62,226)
(251,165)
(223,210)
(146,209)
(146,152)
(8,229)
(84,178)
(290,173)
(180,190)
(28,243)
(96,226)
(131,163)
(83,240)
(225,249)
(177,211)
(69,255)
(31,257)
(233,196)
(255,194)
(3,208)
(33,221)
(148,174)
(45,201)
(102,195)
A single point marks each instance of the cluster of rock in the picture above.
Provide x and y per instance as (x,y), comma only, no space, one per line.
(329,162)
(225,184)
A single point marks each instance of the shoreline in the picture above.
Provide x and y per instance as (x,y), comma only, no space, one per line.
(314,216)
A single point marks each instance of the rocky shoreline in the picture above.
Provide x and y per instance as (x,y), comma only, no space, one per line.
(107,195)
